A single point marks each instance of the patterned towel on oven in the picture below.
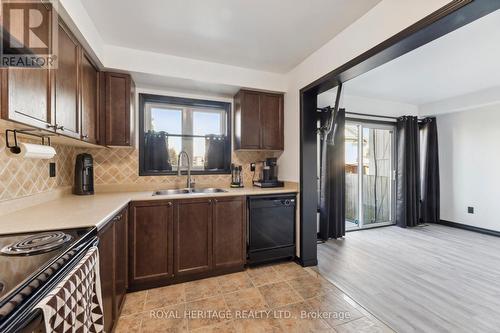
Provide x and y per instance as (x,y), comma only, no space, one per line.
(75,304)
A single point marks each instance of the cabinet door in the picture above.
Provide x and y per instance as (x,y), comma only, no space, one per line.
(120,260)
(250,120)
(117,109)
(229,232)
(89,99)
(26,92)
(271,113)
(67,113)
(106,268)
(150,242)
(193,236)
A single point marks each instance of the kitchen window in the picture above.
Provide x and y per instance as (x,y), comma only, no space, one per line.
(169,125)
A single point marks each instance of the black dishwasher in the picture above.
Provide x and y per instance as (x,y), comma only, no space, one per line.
(271,228)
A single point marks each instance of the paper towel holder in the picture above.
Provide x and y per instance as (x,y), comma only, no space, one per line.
(15,148)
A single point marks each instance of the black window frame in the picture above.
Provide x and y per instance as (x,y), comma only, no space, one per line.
(192,102)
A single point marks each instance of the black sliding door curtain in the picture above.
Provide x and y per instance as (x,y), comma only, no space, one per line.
(407,172)
(332,174)
(417,179)
(429,170)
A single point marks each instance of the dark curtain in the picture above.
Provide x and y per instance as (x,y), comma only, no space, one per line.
(429,171)
(332,182)
(215,152)
(156,157)
(408,172)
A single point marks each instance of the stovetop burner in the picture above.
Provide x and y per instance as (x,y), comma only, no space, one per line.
(36,244)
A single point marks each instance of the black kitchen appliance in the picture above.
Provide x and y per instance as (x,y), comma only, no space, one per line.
(271,228)
(269,174)
(31,265)
(236,176)
(84,175)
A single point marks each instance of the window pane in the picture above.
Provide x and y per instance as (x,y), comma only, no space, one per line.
(174,148)
(351,176)
(377,152)
(206,122)
(167,120)
(173,124)
(199,153)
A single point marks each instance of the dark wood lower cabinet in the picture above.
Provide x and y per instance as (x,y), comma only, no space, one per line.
(106,268)
(193,236)
(229,232)
(120,260)
(173,241)
(113,267)
(150,243)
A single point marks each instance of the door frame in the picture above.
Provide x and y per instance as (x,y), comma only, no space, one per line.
(384,126)
(450,17)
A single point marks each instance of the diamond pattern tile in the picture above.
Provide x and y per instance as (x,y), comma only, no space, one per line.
(19,178)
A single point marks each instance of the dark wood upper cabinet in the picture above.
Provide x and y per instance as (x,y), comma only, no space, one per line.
(118,102)
(247,120)
(229,232)
(66,106)
(271,113)
(75,99)
(106,268)
(150,242)
(193,236)
(26,97)
(25,93)
(258,120)
(89,99)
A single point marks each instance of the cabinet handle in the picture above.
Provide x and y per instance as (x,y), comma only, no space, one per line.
(60,128)
(85,136)
(169,204)
(215,201)
(52,126)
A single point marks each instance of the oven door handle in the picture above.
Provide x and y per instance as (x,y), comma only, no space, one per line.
(31,323)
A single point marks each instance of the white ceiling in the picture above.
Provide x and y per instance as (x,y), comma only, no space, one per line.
(268,35)
(461,62)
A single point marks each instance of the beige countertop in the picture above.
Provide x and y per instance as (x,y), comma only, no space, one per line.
(72,211)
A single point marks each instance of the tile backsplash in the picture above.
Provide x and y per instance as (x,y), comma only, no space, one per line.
(116,166)
(24,177)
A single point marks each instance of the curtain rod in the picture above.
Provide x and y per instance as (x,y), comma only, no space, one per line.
(327,108)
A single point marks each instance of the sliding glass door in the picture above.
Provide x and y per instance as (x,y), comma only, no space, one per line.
(369,168)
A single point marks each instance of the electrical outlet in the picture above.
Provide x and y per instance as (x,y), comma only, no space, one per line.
(252,166)
(470,210)
(52,169)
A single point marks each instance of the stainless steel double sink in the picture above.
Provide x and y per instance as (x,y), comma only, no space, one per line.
(189,191)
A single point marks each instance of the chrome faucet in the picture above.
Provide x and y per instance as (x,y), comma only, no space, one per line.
(189,183)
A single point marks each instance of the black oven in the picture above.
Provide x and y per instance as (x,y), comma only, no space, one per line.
(17,306)
(271,228)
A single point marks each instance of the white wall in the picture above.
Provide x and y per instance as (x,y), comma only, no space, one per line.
(151,63)
(383,21)
(469,166)
(486,97)
(359,104)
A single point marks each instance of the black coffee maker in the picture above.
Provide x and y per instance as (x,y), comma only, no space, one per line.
(84,175)
(269,174)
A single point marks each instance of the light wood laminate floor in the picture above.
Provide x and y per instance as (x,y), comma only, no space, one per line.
(425,279)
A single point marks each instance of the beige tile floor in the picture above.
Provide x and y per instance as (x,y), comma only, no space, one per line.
(277,298)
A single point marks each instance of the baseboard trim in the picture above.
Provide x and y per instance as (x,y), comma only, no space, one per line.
(470,228)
